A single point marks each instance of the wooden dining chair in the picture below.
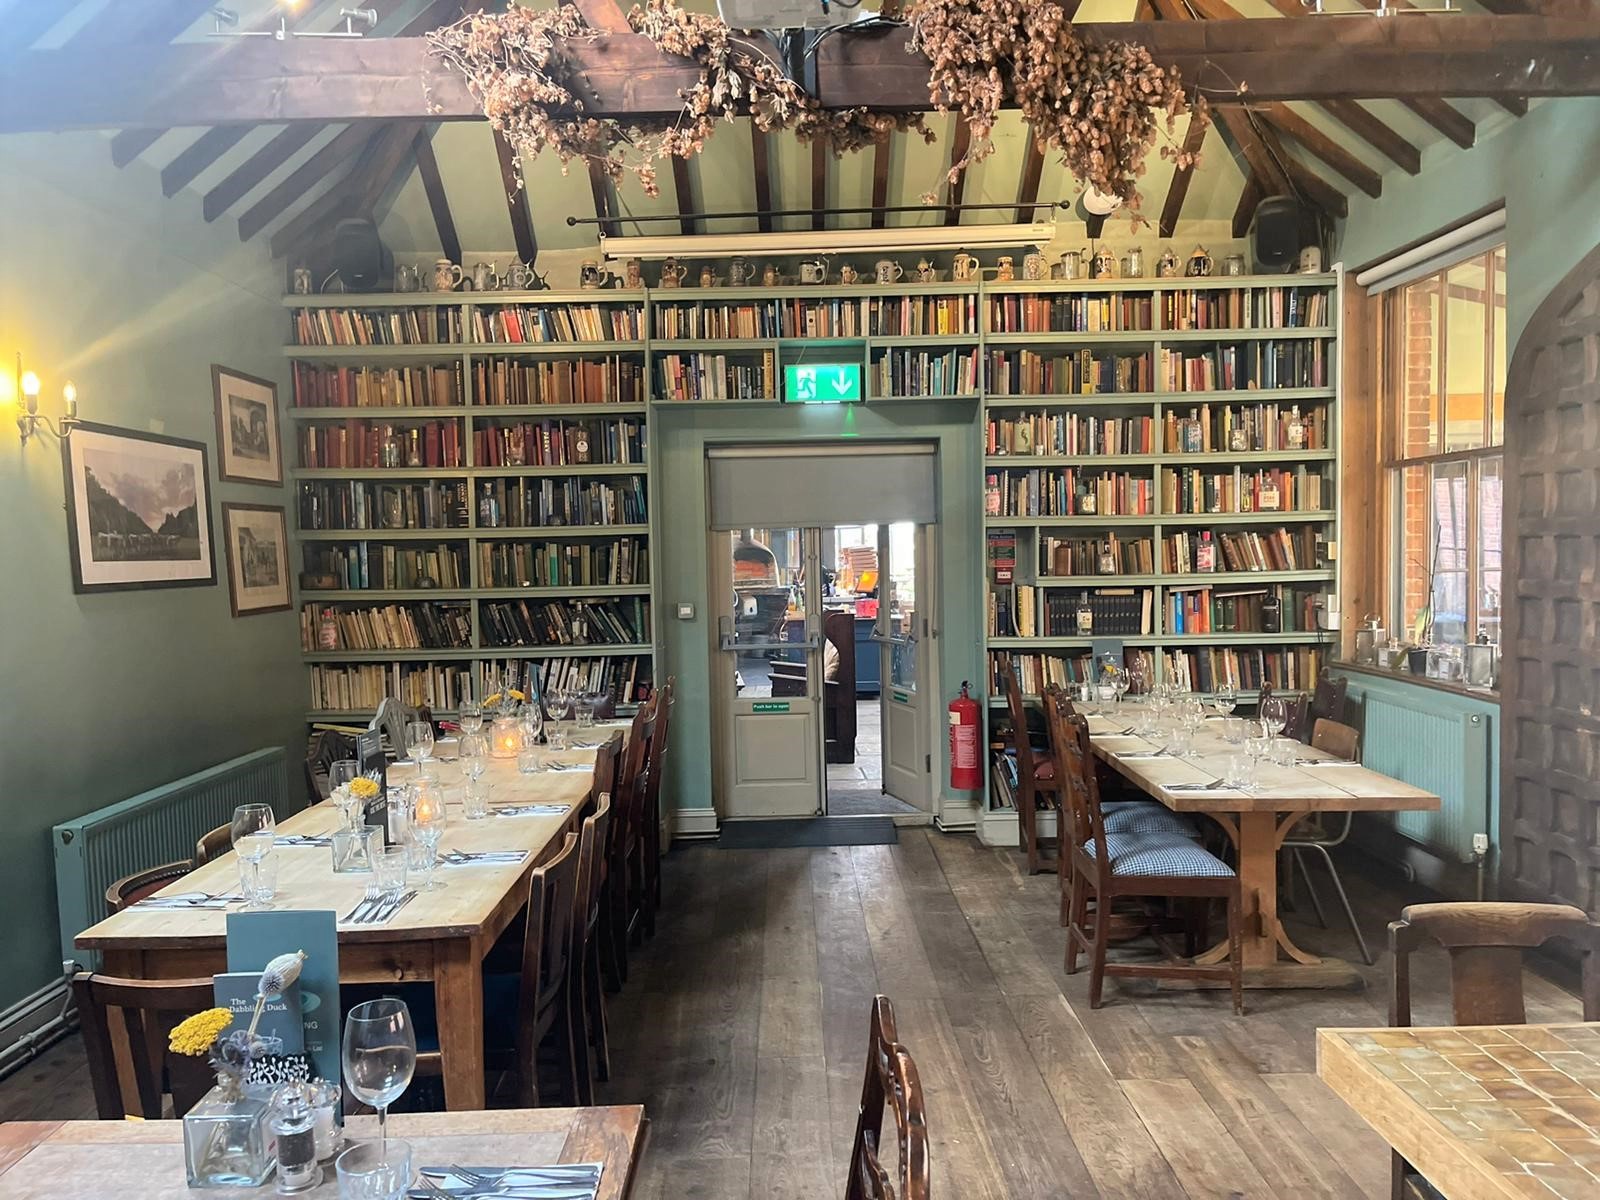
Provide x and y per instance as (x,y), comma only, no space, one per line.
(1037,788)
(144,1011)
(650,851)
(130,889)
(622,850)
(586,999)
(1321,833)
(1328,702)
(213,845)
(1486,943)
(324,748)
(1106,867)
(1294,725)
(891,1080)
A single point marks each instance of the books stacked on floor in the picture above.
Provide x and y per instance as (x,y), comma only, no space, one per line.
(1084,372)
(1065,492)
(707,376)
(909,373)
(1070,313)
(621,562)
(626,678)
(558,443)
(529,503)
(1291,668)
(418,626)
(364,504)
(360,566)
(512,324)
(1246,308)
(1273,489)
(420,326)
(1067,433)
(371,445)
(611,380)
(376,387)
(521,623)
(1299,363)
(1279,549)
(361,687)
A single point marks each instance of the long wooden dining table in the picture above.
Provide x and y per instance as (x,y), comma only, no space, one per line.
(143,1160)
(1256,821)
(440,936)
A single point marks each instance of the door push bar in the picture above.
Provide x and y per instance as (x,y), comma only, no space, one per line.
(729,641)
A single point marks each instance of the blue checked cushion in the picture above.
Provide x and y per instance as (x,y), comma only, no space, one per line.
(1158,854)
(1143,816)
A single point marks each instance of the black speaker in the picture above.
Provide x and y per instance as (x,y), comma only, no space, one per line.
(359,255)
(1281,227)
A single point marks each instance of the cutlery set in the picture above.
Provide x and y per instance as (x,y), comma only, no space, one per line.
(467,858)
(531,810)
(377,910)
(301,839)
(565,1181)
(206,900)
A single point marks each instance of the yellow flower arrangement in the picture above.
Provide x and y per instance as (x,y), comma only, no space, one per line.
(493,700)
(363,788)
(195,1035)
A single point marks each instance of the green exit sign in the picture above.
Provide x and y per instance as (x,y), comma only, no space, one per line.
(822,383)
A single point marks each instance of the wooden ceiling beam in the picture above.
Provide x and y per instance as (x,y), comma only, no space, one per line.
(683,194)
(880,181)
(1451,122)
(1274,178)
(262,80)
(1376,134)
(820,154)
(248,175)
(960,143)
(342,149)
(762,169)
(516,194)
(1306,182)
(200,154)
(356,195)
(1178,189)
(438,201)
(1249,200)
(1028,185)
(1284,119)
(130,143)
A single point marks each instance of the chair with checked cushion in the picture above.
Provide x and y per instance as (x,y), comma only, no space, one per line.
(1036,772)
(1145,863)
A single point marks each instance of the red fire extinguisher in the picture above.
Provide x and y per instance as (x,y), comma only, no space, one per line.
(964,773)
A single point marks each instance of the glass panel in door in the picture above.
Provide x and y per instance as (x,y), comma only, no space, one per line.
(902,631)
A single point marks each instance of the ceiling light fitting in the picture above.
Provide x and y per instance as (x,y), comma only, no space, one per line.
(226,22)
(1385,8)
(835,241)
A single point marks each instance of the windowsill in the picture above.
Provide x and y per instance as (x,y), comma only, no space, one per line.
(1487,695)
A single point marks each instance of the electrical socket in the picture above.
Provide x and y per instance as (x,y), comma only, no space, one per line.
(1480,844)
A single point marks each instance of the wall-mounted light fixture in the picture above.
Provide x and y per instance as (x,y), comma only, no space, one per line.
(225,22)
(29,418)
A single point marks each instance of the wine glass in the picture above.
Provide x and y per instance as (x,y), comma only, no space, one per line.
(471,716)
(1120,682)
(1274,714)
(340,776)
(380,1054)
(1257,744)
(1225,699)
(419,742)
(474,764)
(427,827)
(532,725)
(253,829)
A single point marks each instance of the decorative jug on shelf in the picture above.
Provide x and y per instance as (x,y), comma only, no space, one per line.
(1033,266)
(672,273)
(1072,263)
(485,278)
(769,276)
(446,275)
(886,270)
(1199,262)
(814,270)
(1004,269)
(708,278)
(964,268)
(741,272)
(592,275)
(1168,266)
(1233,265)
(848,274)
(1103,265)
(633,273)
(926,272)
(1133,264)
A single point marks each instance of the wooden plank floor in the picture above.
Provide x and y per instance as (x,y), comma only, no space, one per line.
(743,1031)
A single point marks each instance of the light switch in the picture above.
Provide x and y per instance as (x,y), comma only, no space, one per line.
(685,612)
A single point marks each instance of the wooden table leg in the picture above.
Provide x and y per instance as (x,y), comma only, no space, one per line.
(458,990)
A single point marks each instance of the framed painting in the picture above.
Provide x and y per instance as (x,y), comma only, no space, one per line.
(247,428)
(257,538)
(138,510)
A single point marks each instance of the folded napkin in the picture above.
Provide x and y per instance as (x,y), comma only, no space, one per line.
(531,810)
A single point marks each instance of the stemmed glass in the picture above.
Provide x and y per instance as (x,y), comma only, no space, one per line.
(1257,744)
(471,716)
(1274,714)
(474,764)
(254,827)
(427,827)
(340,776)
(1225,699)
(532,724)
(1120,682)
(380,1054)
(419,742)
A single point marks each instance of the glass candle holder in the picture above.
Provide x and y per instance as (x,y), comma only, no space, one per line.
(505,738)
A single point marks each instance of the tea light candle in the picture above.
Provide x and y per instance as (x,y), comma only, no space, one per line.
(429,803)
(505,738)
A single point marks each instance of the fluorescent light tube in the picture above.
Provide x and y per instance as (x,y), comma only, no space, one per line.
(837,241)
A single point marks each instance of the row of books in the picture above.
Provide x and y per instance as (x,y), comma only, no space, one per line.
(1301,363)
(1023,611)
(1272,489)
(519,323)
(1086,372)
(1066,492)
(317,386)
(1035,672)
(423,325)
(365,504)
(531,503)
(927,373)
(418,626)
(515,623)
(1275,609)
(1064,557)
(621,561)
(1291,668)
(1082,313)
(694,319)
(1068,433)
(555,443)
(1238,428)
(1303,549)
(370,444)
(686,377)
(626,678)
(362,566)
(919,316)
(1246,308)
(610,380)
(361,687)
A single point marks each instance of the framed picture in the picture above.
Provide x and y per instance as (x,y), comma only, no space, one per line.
(138,510)
(257,537)
(247,428)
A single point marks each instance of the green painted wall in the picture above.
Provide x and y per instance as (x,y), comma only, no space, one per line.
(1542,166)
(680,496)
(133,297)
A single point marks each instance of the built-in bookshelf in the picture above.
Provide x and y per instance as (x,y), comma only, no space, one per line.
(1161,468)
(472,484)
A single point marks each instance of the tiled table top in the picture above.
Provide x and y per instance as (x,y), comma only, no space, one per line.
(1479,1111)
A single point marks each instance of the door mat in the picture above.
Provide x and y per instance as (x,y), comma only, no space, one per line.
(809,831)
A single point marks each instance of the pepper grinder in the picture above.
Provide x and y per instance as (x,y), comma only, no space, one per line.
(293,1122)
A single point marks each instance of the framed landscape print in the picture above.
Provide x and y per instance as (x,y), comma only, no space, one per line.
(138,510)
(247,428)
(257,538)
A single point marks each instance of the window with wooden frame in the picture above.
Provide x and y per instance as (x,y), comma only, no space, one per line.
(1445,383)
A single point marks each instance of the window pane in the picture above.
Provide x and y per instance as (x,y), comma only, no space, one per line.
(1498,316)
(1451,552)
(1466,367)
(1419,344)
(1489,530)
(1414,547)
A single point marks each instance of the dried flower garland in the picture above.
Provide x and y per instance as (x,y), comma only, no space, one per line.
(1098,104)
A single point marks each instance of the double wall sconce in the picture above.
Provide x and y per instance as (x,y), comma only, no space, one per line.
(29,418)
